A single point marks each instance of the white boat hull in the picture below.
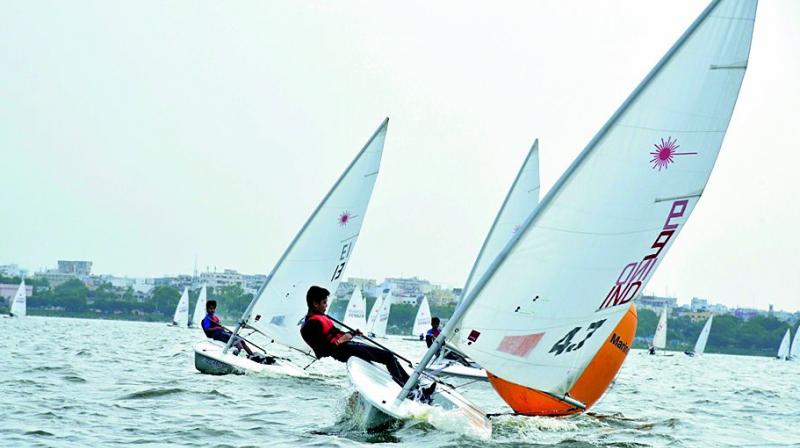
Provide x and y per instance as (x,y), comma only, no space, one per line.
(377,406)
(209,359)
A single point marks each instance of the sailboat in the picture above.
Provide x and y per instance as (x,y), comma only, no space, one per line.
(783,350)
(379,316)
(422,321)
(199,308)
(521,199)
(700,345)
(660,336)
(355,315)
(19,302)
(318,255)
(552,318)
(794,352)
(181,317)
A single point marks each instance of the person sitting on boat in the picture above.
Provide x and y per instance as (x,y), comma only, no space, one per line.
(433,332)
(325,339)
(652,350)
(213,329)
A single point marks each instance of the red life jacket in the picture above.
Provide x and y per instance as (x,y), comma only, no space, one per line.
(329,330)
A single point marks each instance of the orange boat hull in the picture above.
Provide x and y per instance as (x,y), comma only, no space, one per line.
(589,387)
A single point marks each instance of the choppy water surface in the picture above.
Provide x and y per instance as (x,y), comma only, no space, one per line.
(73,382)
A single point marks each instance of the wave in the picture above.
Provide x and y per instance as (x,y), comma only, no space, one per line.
(152,393)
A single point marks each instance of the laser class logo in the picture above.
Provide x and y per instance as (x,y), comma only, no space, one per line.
(665,153)
(344,218)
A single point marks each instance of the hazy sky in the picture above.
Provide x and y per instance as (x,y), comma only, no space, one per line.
(142,134)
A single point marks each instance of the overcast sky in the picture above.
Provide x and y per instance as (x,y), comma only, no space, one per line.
(141,135)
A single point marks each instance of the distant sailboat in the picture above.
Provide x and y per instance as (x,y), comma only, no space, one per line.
(199,308)
(551,319)
(794,352)
(660,336)
(700,345)
(355,315)
(318,255)
(783,350)
(19,306)
(422,322)
(181,317)
(379,316)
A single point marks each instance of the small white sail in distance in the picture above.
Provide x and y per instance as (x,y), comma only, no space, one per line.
(19,306)
(794,352)
(374,312)
(382,320)
(355,315)
(181,317)
(660,336)
(783,350)
(199,308)
(319,253)
(423,319)
(566,279)
(700,345)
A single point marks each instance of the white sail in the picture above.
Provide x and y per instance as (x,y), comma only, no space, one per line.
(660,336)
(700,345)
(355,315)
(423,320)
(374,312)
(783,350)
(554,294)
(794,352)
(19,306)
(181,316)
(522,198)
(320,252)
(199,308)
(382,319)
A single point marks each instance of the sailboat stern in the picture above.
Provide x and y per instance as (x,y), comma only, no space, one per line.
(590,386)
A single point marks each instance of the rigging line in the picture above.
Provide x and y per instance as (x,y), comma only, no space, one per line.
(309,364)
(272,340)
(468,383)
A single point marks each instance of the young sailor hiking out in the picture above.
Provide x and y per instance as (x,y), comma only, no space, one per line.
(325,339)
(213,329)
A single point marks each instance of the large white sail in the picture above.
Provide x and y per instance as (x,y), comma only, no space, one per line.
(423,320)
(181,316)
(660,336)
(700,345)
(794,352)
(783,350)
(554,294)
(199,308)
(355,315)
(320,252)
(19,306)
(522,198)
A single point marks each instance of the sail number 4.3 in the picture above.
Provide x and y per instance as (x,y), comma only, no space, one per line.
(565,344)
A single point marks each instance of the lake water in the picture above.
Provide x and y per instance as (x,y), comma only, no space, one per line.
(77,383)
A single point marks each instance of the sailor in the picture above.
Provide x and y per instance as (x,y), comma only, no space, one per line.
(652,350)
(325,339)
(433,332)
(214,329)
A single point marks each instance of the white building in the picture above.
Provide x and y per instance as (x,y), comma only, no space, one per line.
(13,270)
(228,277)
(699,304)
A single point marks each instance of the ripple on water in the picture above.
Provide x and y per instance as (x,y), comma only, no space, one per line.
(152,393)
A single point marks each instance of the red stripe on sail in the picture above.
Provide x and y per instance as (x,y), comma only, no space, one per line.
(519,345)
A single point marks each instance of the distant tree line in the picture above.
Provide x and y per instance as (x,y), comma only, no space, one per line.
(760,335)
